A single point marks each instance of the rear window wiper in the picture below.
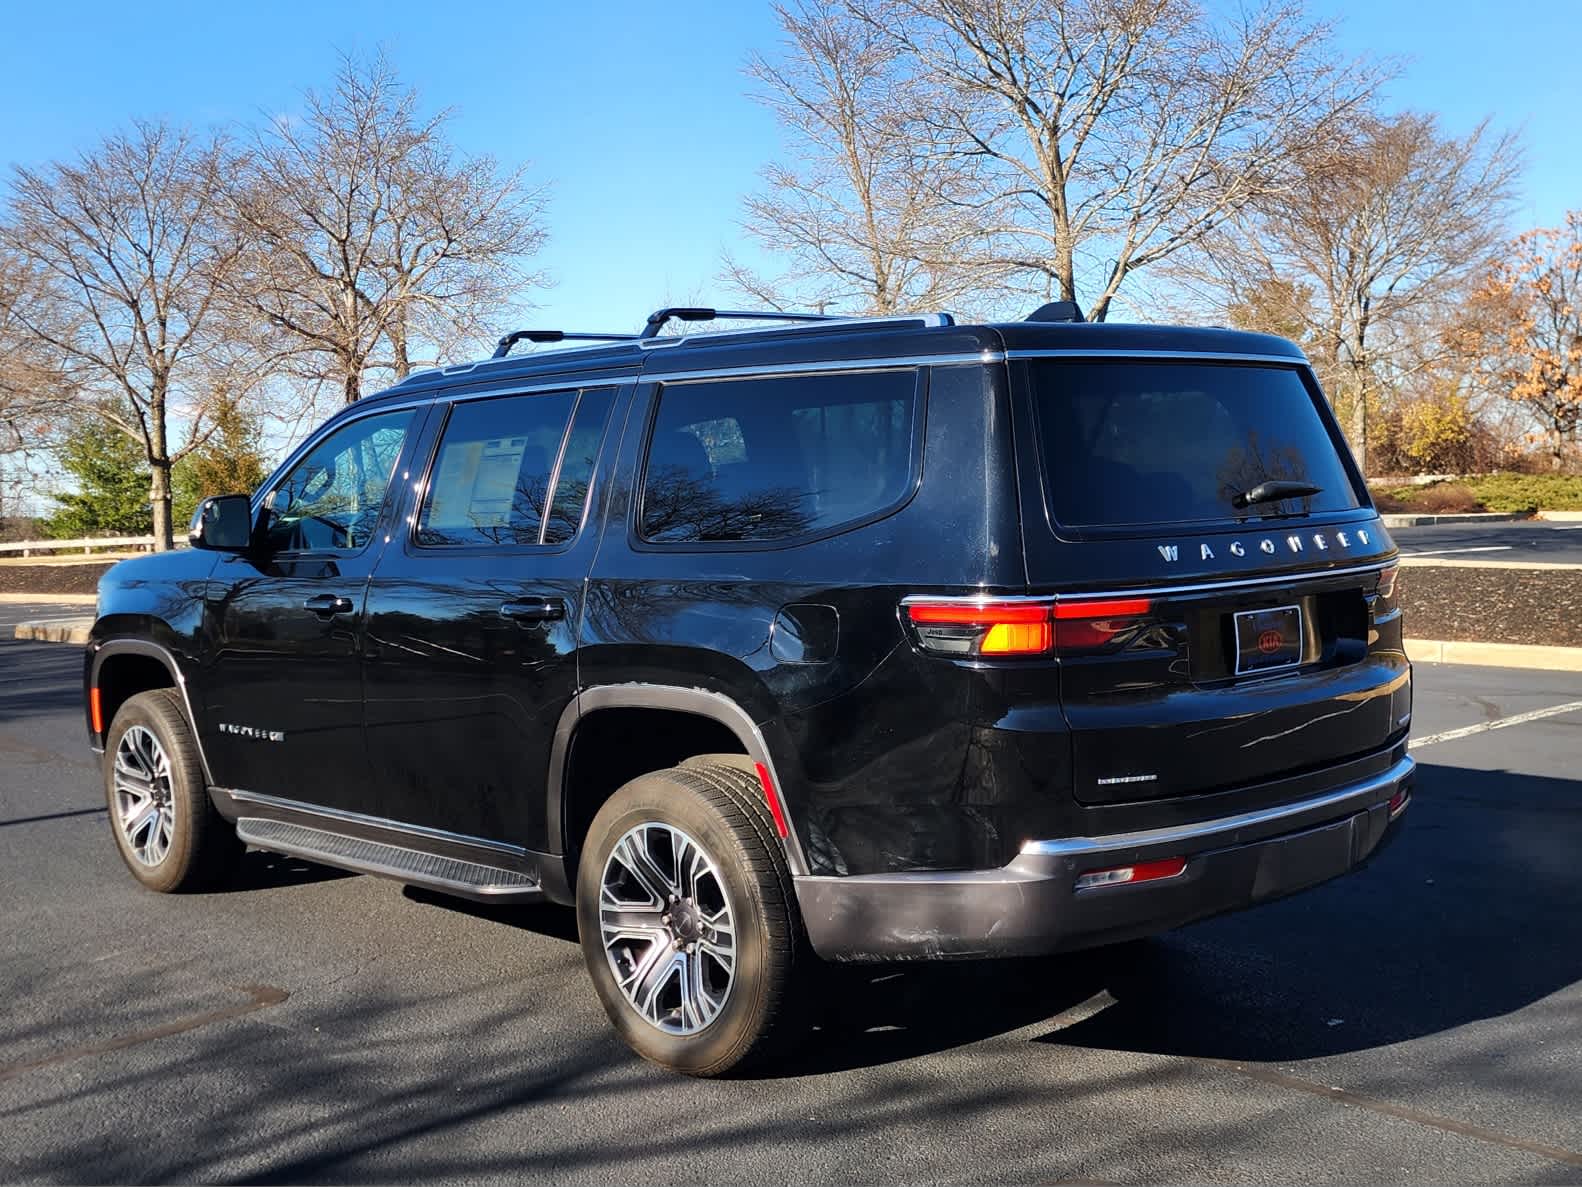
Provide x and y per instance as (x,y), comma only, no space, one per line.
(1273,492)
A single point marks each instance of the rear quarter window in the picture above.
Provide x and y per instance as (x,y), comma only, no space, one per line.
(1141,443)
(776,459)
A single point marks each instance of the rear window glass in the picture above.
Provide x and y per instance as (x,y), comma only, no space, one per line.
(1146,443)
(772,459)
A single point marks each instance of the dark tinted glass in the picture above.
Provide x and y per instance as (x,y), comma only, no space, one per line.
(576,465)
(769,459)
(1133,443)
(491,479)
(331,499)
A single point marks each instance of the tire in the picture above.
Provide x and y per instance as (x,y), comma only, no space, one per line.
(739,1015)
(164,824)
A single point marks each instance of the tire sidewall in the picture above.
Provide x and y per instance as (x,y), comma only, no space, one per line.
(186,785)
(660,798)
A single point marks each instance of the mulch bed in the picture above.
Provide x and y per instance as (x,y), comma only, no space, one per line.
(1542,606)
(52,579)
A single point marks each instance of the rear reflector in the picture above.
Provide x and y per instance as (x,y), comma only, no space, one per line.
(1387,577)
(95,710)
(772,797)
(1398,802)
(990,628)
(1147,871)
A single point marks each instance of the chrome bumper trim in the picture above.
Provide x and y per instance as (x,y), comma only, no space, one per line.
(1362,793)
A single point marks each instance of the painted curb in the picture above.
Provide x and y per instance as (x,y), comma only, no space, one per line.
(1406,520)
(63,630)
(1561,516)
(1495,655)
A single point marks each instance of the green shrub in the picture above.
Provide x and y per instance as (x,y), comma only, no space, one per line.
(1507,493)
(1529,492)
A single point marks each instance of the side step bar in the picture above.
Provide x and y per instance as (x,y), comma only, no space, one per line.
(465,878)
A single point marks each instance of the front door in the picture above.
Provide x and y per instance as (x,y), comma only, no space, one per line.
(283,712)
(472,616)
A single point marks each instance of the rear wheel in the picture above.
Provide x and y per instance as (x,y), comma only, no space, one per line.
(167,830)
(688,923)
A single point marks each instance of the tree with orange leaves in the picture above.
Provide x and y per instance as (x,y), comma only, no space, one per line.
(1528,332)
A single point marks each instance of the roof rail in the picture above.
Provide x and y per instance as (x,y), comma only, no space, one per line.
(503,347)
(660,317)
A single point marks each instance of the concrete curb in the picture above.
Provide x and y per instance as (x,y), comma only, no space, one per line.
(1495,655)
(1561,516)
(1449,562)
(1406,520)
(59,630)
(36,599)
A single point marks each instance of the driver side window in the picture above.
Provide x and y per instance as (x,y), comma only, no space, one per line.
(330,500)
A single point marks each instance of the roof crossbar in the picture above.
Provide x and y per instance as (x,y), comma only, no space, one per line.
(660,317)
(503,347)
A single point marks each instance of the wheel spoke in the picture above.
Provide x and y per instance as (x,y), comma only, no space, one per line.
(146,816)
(633,853)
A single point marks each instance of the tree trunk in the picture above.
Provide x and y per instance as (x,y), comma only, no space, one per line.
(353,388)
(1359,429)
(159,465)
(159,499)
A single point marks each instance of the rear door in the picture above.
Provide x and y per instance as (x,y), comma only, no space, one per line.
(1206,642)
(470,646)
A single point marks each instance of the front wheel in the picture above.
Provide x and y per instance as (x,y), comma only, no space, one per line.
(168,832)
(687,918)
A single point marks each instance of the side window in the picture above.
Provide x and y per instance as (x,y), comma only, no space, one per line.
(331,499)
(576,464)
(772,459)
(490,482)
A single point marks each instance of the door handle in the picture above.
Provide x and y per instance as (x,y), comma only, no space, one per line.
(534,610)
(328,604)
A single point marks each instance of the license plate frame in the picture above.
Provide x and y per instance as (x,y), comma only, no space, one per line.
(1252,629)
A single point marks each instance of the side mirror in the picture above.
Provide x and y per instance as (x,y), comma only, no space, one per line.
(223,523)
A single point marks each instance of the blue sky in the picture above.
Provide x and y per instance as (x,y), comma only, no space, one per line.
(638,113)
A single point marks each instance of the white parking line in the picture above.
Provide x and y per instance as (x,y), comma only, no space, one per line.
(1447,551)
(1467,731)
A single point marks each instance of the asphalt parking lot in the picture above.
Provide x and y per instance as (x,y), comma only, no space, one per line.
(1524,541)
(1420,1021)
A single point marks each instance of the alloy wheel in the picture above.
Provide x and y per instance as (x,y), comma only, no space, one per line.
(666,924)
(145,807)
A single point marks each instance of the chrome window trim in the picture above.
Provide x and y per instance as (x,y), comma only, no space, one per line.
(1153,590)
(882,363)
(1087,846)
(395,826)
(1067,352)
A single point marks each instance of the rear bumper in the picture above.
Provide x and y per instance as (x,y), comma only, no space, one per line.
(1033,906)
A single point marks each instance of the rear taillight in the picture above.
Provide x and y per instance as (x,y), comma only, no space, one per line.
(983,628)
(973,628)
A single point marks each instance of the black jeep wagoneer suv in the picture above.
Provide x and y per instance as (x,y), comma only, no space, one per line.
(872,639)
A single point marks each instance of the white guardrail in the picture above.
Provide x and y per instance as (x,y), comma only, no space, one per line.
(119,543)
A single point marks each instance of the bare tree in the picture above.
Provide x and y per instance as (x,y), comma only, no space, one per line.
(35,388)
(1382,237)
(1112,134)
(131,250)
(372,235)
(865,220)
